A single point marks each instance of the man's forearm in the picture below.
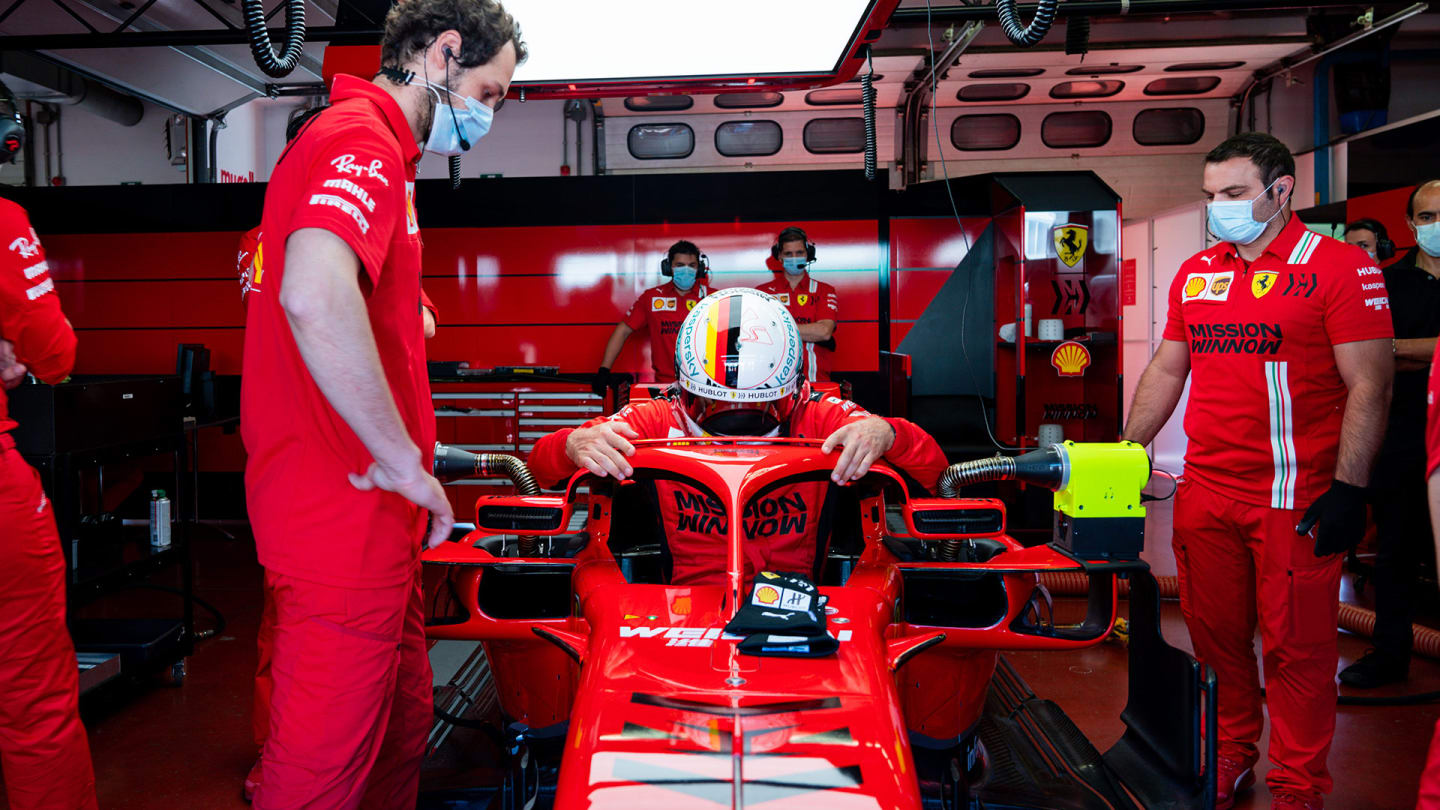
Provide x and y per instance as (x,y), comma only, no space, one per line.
(1155,399)
(616,342)
(1363,428)
(818,332)
(335,340)
(1417,349)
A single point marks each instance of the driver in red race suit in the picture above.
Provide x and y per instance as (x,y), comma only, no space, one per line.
(738,358)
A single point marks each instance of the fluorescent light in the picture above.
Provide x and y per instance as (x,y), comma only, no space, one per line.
(574,41)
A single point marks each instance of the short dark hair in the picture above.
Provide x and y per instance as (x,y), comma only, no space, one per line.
(683,246)
(1372,225)
(791,234)
(484,26)
(1410,204)
(1269,155)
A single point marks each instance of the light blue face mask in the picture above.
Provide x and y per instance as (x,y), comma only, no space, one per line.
(1234,220)
(794,265)
(455,128)
(684,276)
(1428,238)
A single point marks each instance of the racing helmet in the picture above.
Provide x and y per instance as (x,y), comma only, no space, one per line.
(737,360)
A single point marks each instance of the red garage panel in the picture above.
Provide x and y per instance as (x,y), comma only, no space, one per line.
(152,304)
(92,257)
(932,241)
(911,291)
(152,351)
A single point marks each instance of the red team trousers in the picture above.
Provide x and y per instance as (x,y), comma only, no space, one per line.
(44,754)
(348,728)
(1241,566)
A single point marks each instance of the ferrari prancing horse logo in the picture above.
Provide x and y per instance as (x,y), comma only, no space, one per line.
(1070,242)
(1262,283)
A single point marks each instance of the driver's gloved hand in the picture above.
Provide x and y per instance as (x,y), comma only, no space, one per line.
(601,383)
(1338,518)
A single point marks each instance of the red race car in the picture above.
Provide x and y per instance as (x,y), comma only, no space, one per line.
(618,690)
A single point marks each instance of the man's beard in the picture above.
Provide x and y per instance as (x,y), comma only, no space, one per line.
(427,119)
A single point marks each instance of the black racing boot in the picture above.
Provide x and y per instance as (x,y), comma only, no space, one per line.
(1376,668)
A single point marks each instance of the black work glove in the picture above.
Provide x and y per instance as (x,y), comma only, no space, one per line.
(601,383)
(1338,516)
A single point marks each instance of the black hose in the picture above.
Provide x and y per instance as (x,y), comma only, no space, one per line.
(454,171)
(867,99)
(1027,35)
(276,67)
(998,468)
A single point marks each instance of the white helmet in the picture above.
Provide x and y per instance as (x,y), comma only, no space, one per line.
(738,357)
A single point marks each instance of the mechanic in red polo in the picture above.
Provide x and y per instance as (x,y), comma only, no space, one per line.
(813,304)
(336,412)
(660,311)
(1286,337)
(43,751)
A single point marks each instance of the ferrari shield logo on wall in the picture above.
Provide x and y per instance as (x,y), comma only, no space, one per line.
(1070,242)
(1262,283)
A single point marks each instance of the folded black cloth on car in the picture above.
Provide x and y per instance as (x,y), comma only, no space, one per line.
(784,614)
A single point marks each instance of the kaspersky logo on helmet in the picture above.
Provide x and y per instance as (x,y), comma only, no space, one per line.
(739,345)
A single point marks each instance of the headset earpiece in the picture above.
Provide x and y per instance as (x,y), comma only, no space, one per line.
(793,234)
(449,54)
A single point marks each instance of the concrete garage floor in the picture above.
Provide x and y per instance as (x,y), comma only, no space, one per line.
(190,747)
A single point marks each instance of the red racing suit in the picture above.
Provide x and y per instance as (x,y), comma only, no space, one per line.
(1263,421)
(43,750)
(782,527)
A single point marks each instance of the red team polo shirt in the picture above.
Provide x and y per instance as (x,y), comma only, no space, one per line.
(1266,399)
(661,310)
(809,302)
(352,173)
(248,259)
(30,315)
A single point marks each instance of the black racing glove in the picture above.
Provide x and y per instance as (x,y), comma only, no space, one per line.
(601,383)
(1338,517)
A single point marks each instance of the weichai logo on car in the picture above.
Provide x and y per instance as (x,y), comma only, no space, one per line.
(695,636)
(1236,338)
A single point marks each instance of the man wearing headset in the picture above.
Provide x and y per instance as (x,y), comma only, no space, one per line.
(1402,526)
(812,303)
(660,310)
(336,412)
(738,355)
(44,755)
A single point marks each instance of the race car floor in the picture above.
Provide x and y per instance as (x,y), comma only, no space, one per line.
(190,747)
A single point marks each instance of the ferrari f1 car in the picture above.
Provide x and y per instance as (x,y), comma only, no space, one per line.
(619,690)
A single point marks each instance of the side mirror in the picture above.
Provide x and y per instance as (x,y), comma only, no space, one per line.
(949,518)
(530,515)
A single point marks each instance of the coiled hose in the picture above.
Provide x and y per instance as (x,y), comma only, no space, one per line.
(271,65)
(454,171)
(452,463)
(956,476)
(867,100)
(1353,618)
(1026,35)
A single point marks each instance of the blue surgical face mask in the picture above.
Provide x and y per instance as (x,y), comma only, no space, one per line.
(794,265)
(456,125)
(684,276)
(1234,221)
(1428,238)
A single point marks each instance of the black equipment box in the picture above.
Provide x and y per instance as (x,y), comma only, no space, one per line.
(95,412)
